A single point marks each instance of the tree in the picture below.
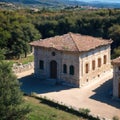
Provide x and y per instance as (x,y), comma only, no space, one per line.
(2,57)
(30,33)
(22,34)
(4,37)
(11,101)
(116,52)
(114,33)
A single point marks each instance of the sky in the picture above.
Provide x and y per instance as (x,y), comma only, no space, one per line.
(108,1)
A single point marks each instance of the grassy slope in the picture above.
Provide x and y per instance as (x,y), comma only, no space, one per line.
(22,60)
(41,111)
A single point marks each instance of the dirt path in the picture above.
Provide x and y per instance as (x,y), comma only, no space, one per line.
(26,73)
(96,97)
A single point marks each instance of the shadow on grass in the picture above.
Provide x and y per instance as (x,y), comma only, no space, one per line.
(82,114)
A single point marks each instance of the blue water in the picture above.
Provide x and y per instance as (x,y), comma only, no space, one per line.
(105,1)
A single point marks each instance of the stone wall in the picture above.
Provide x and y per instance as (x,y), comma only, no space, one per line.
(116,80)
(19,68)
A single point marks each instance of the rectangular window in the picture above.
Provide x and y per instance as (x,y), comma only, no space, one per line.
(99,62)
(105,59)
(93,65)
(119,68)
(71,70)
(41,64)
(64,68)
(86,68)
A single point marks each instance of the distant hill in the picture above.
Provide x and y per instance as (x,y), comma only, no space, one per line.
(24,1)
(49,3)
(56,3)
(100,3)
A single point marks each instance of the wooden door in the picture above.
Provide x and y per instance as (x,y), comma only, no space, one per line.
(119,90)
(53,69)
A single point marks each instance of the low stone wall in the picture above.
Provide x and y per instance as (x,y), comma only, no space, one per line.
(19,68)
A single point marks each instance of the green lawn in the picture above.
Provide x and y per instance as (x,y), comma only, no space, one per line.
(22,60)
(42,111)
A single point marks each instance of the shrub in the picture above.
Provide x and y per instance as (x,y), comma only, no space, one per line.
(116,118)
(84,111)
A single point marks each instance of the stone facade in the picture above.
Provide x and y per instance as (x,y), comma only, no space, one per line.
(95,72)
(73,66)
(78,60)
(61,58)
(116,77)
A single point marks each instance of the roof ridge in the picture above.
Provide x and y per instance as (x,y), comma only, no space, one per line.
(74,41)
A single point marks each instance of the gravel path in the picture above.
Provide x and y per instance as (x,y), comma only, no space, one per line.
(96,97)
(26,73)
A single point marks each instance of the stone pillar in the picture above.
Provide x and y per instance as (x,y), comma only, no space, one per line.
(116,78)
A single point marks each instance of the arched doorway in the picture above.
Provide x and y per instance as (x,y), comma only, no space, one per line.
(53,69)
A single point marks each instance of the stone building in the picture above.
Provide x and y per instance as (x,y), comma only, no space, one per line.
(116,77)
(73,59)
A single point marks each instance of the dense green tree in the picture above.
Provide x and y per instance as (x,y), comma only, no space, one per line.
(29,34)
(4,37)
(19,27)
(116,52)
(2,57)
(11,98)
(114,34)
(22,34)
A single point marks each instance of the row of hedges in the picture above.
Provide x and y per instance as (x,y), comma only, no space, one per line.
(82,112)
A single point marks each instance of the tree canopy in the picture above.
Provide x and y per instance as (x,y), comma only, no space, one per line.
(11,101)
(19,27)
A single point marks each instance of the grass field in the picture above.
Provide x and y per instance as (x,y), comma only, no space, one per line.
(22,60)
(41,111)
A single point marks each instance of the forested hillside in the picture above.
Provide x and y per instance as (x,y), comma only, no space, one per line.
(18,28)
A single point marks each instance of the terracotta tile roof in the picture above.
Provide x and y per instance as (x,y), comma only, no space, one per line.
(116,61)
(71,42)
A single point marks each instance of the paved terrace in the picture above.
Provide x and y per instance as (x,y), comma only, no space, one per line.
(97,97)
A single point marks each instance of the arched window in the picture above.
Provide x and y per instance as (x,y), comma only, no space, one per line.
(105,59)
(93,65)
(64,68)
(71,70)
(41,64)
(86,68)
(99,62)
(53,54)
(119,68)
